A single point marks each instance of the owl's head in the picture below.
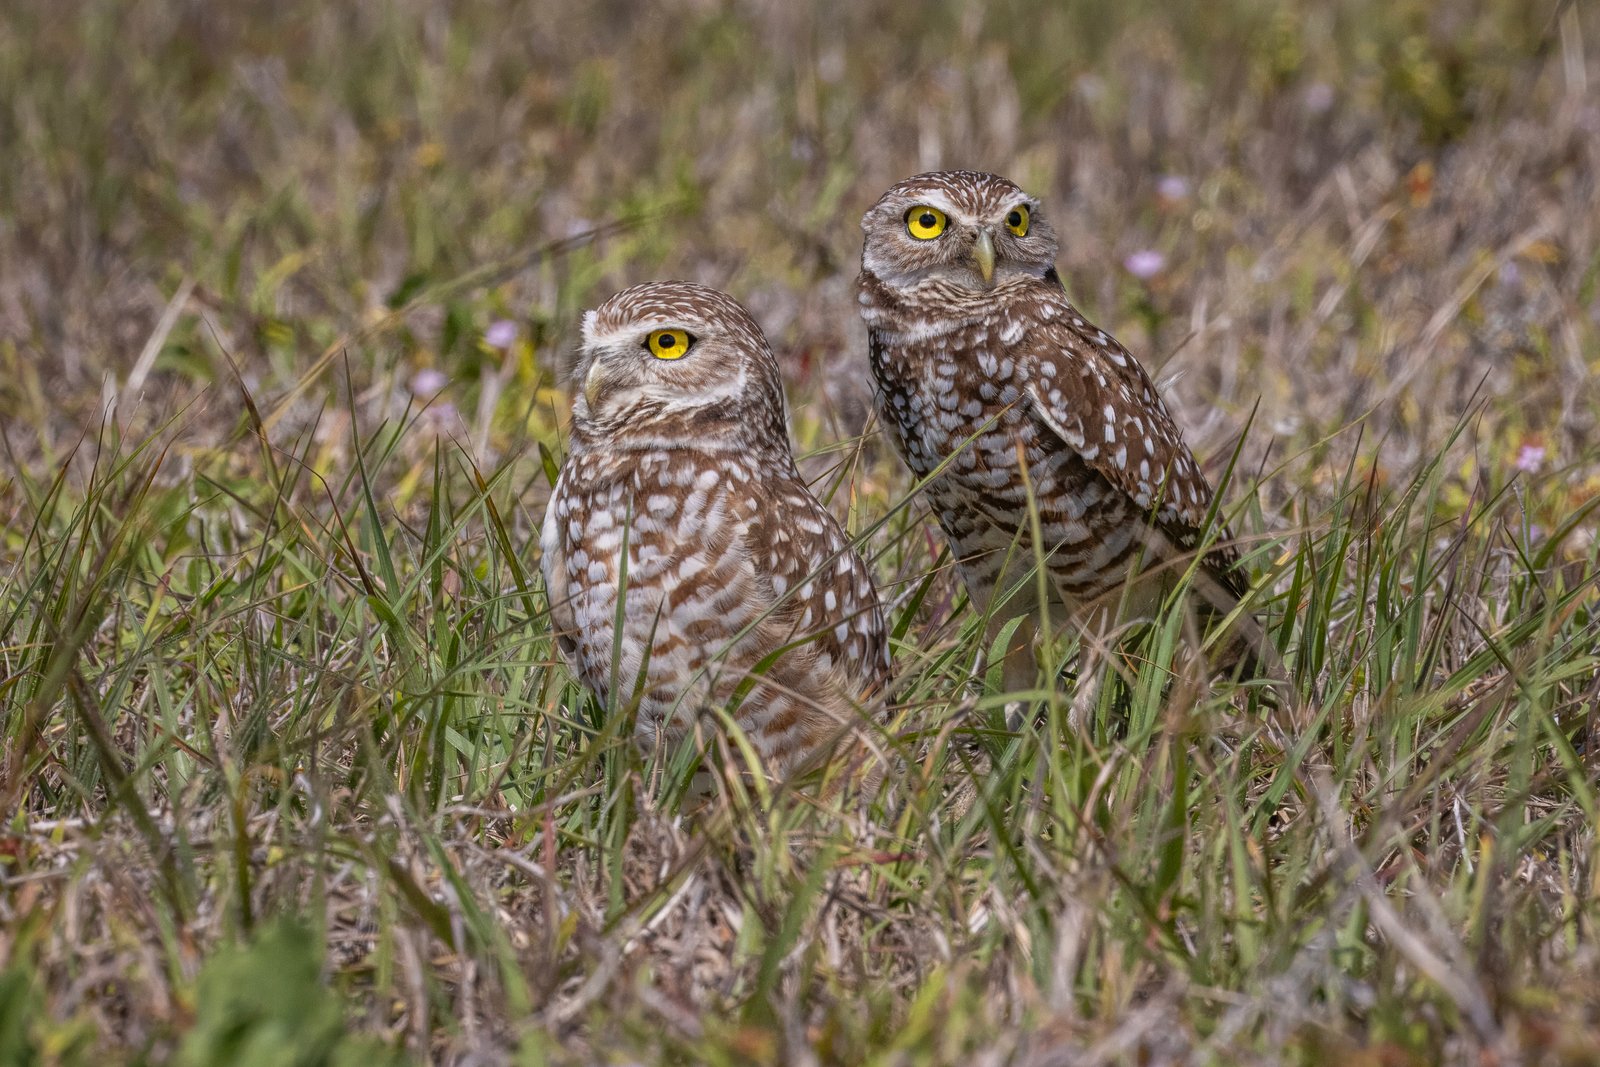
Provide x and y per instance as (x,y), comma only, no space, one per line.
(961,227)
(674,352)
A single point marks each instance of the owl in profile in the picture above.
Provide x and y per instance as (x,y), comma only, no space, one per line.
(688,565)
(997,388)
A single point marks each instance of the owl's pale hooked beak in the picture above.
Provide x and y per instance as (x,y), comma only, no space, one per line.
(983,255)
(593,382)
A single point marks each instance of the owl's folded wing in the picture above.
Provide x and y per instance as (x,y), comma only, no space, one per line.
(1087,389)
(821,590)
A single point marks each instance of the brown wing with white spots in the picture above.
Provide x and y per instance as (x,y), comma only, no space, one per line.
(821,589)
(1091,392)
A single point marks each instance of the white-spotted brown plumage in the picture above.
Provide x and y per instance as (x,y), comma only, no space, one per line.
(679,511)
(983,364)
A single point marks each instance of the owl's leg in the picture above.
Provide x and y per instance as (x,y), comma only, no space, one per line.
(1020,670)
(1019,664)
(1086,694)
(1103,625)
(1095,633)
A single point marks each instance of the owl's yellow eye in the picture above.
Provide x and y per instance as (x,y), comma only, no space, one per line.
(1017,220)
(925,223)
(669,344)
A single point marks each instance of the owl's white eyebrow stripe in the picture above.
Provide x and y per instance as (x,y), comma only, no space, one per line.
(638,332)
(938,202)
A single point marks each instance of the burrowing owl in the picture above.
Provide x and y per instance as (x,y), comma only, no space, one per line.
(982,363)
(681,530)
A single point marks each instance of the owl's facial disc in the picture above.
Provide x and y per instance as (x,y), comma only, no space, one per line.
(964,229)
(924,222)
(639,366)
(668,345)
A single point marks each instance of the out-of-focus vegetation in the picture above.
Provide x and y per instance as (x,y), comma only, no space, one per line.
(289,774)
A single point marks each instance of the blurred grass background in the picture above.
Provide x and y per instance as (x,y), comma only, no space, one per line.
(1348,170)
(286,299)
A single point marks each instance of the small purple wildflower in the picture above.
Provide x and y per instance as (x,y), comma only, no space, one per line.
(1319,97)
(1173,187)
(501,334)
(427,382)
(1530,458)
(1145,263)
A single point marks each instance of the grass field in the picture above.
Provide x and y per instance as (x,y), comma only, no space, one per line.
(290,774)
